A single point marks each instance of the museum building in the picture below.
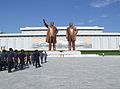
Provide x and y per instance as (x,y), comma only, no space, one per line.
(88,38)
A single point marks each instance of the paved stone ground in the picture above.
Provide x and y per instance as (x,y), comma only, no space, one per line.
(66,73)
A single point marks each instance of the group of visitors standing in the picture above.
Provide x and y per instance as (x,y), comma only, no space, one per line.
(36,56)
(18,60)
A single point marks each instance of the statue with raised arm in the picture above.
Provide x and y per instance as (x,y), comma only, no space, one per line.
(51,35)
(71,36)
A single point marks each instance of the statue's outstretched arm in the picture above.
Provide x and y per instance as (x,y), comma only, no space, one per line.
(45,23)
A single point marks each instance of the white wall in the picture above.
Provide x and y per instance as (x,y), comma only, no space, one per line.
(82,42)
(106,43)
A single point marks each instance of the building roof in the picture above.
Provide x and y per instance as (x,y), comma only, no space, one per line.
(62,28)
(60,33)
(81,34)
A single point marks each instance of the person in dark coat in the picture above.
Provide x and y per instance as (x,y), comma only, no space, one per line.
(28,58)
(10,59)
(16,55)
(4,59)
(41,56)
(45,55)
(0,62)
(22,58)
(36,55)
(33,59)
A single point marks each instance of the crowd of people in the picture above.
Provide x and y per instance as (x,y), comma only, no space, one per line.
(13,59)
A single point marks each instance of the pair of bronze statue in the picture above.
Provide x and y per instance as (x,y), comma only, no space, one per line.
(52,31)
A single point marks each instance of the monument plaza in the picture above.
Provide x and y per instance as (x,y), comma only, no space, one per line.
(66,73)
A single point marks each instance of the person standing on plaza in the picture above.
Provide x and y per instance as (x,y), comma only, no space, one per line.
(36,55)
(41,56)
(28,58)
(22,58)
(45,55)
(10,59)
(4,59)
(33,59)
(0,62)
(16,56)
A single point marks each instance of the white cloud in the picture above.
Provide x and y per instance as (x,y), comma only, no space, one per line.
(92,20)
(104,16)
(102,3)
(80,23)
(97,18)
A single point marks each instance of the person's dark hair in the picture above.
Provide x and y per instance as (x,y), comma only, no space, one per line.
(36,50)
(3,50)
(10,49)
(22,50)
(15,50)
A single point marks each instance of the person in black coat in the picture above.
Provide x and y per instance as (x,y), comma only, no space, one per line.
(33,59)
(41,56)
(45,56)
(36,55)
(16,55)
(4,59)
(10,59)
(0,62)
(22,58)
(28,58)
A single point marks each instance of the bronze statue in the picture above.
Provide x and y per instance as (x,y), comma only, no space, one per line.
(51,34)
(71,36)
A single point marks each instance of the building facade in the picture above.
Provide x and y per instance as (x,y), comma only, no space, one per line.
(88,38)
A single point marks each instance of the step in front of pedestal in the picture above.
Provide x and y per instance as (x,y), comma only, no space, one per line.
(67,54)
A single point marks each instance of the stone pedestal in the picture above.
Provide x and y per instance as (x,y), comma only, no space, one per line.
(64,53)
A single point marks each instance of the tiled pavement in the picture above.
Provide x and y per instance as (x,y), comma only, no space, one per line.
(66,73)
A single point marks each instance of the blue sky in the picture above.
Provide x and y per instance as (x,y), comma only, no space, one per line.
(26,13)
